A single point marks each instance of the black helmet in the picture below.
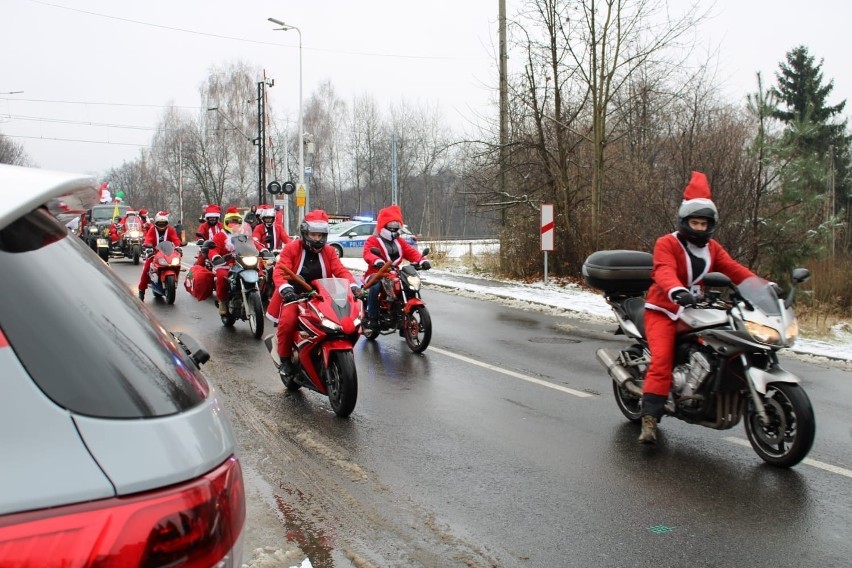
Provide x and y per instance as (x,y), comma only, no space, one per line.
(315,222)
(704,211)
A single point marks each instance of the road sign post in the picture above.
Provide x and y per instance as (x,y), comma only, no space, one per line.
(547,232)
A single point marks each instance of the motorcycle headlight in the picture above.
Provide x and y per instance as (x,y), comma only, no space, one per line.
(93,230)
(792,331)
(134,234)
(249,261)
(414,282)
(330,325)
(175,261)
(763,333)
(162,261)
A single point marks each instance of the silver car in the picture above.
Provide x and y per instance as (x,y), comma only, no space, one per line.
(116,449)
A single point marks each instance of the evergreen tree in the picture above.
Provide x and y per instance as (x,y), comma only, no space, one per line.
(813,129)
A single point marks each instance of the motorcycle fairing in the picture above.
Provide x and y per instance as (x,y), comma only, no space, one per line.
(760,378)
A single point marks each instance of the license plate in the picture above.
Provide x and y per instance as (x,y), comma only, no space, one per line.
(103,242)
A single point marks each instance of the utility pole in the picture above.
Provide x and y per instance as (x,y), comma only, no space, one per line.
(504,103)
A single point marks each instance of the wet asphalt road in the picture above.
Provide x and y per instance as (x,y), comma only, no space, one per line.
(468,456)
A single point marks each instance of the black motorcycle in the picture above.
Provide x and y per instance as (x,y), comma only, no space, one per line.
(244,301)
(726,356)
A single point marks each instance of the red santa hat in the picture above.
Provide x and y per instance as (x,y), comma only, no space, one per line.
(143,212)
(265,210)
(316,221)
(696,199)
(388,214)
(212,211)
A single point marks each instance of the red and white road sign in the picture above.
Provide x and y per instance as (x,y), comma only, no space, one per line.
(547,227)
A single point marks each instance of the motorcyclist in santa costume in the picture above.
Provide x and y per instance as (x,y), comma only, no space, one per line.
(211,225)
(160,231)
(221,255)
(311,258)
(681,260)
(393,250)
(269,234)
(143,216)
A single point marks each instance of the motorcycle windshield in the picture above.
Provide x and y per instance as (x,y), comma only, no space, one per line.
(760,294)
(166,247)
(133,224)
(335,288)
(244,245)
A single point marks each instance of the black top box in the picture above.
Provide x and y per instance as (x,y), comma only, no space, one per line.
(627,271)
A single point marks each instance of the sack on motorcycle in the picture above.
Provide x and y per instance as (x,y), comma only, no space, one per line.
(627,271)
(199,282)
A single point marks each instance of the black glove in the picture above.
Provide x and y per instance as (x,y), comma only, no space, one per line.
(379,263)
(199,242)
(777,289)
(358,292)
(179,250)
(425,265)
(217,260)
(685,299)
(265,254)
(288,294)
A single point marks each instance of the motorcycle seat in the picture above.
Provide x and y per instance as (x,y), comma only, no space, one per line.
(635,308)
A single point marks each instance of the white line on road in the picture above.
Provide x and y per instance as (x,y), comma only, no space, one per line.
(512,373)
(809,461)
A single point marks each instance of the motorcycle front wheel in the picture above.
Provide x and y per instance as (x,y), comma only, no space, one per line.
(137,252)
(789,433)
(255,314)
(342,383)
(417,329)
(171,288)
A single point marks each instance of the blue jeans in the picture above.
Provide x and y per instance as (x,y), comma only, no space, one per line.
(373,300)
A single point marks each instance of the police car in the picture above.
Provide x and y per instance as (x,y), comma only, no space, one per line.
(348,237)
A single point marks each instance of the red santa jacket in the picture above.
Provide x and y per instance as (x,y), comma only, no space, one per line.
(406,251)
(672,271)
(280,238)
(293,257)
(207,231)
(153,237)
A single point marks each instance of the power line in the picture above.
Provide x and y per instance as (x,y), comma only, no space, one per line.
(97,103)
(245,40)
(82,122)
(74,140)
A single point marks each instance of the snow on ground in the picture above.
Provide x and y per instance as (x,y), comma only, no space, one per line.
(571,298)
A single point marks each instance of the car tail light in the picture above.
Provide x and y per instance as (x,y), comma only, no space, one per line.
(193,524)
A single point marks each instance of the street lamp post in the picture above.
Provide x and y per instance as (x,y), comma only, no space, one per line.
(287,27)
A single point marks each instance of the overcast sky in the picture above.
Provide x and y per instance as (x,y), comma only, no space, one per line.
(97,74)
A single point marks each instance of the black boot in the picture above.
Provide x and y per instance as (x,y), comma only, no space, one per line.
(286,369)
(142,295)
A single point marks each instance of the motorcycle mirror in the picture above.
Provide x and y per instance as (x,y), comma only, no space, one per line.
(716,280)
(425,252)
(801,275)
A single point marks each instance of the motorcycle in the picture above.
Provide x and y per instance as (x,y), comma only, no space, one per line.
(400,306)
(164,270)
(129,244)
(267,287)
(244,301)
(726,357)
(327,330)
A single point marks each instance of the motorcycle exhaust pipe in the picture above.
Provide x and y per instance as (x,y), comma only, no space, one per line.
(617,371)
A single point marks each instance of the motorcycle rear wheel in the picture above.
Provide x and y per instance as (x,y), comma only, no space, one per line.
(170,288)
(254,313)
(417,329)
(789,435)
(341,382)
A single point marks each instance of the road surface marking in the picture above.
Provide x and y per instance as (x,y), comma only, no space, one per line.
(809,461)
(527,378)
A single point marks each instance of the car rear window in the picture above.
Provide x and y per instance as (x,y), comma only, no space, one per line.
(78,331)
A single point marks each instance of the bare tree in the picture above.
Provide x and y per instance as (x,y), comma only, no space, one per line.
(12,153)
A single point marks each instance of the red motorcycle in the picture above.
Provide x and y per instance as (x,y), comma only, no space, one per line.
(164,270)
(327,330)
(400,305)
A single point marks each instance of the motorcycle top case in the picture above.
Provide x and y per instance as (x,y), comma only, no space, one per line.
(199,282)
(627,271)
